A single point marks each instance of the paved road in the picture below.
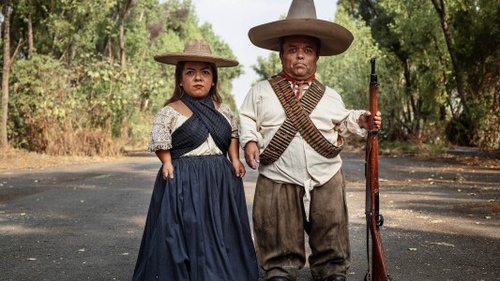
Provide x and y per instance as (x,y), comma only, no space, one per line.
(85,222)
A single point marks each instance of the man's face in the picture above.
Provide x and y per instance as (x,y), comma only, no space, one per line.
(299,56)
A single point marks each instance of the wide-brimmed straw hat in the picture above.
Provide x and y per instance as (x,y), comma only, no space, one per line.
(301,20)
(195,50)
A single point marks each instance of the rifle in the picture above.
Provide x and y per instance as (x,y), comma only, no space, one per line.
(378,269)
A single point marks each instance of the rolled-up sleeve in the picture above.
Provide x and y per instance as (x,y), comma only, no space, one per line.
(248,125)
(349,125)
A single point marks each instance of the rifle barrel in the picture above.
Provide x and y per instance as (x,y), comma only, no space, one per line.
(378,269)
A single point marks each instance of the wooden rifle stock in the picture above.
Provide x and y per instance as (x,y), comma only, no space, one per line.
(377,270)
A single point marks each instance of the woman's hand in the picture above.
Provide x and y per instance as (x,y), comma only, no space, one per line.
(167,170)
(238,168)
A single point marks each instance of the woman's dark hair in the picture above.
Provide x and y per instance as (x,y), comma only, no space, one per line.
(179,91)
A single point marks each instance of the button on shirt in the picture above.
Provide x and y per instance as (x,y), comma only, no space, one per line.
(261,115)
(299,89)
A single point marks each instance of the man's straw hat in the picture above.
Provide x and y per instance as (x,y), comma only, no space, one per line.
(195,50)
(301,20)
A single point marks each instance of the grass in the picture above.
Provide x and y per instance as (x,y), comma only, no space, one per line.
(17,159)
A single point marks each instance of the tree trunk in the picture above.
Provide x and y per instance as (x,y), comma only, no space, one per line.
(31,48)
(441,10)
(5,74)
(111,56)
(123,15)
(122,45)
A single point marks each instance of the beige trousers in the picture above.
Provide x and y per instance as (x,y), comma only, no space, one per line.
(279,225)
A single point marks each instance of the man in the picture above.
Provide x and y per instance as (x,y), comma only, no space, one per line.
(293,126)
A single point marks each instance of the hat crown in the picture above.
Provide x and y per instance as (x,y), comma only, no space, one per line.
(197,46)
(195,50)
(301,20)
(302,9)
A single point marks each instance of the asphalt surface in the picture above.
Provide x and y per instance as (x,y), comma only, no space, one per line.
(85,222)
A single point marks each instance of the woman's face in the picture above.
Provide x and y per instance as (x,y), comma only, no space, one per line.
(197,79)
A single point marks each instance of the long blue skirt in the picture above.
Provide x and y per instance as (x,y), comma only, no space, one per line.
(197,227)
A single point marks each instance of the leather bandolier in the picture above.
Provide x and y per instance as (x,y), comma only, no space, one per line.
(297,112)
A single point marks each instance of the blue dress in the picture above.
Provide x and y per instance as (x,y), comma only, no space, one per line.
(197,227)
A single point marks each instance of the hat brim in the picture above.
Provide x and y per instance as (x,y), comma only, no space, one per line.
(335,39)
(174,58)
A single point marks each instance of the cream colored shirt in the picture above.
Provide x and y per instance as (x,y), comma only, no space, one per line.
(261,114)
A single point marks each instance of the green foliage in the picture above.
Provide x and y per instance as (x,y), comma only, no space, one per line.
(476,35)
(419,76)
(74,90)
(86,88)
(349,73)
(52,102)
(267,67)
(41,89)
(225,74)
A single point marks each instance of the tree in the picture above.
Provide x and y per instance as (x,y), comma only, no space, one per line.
(474,29)
(267,67)
(7,63)
(432,48)
(87,77)
(441,10)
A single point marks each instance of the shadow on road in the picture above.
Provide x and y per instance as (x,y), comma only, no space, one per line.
(85,222)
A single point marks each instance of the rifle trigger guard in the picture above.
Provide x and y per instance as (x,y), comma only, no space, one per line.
(379,220)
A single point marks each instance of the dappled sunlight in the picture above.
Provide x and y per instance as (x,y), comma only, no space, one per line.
(137,221)
(412,251)
(432,211)
(20,229)
(409,220)
(94,215)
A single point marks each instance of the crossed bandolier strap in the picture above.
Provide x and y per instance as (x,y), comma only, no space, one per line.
(298,111)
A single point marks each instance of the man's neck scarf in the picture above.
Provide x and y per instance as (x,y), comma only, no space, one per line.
(297,85)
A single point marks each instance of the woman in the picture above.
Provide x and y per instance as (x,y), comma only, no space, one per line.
(197,226)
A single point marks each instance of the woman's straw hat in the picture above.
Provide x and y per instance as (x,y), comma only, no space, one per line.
(301,20)
(195,50)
